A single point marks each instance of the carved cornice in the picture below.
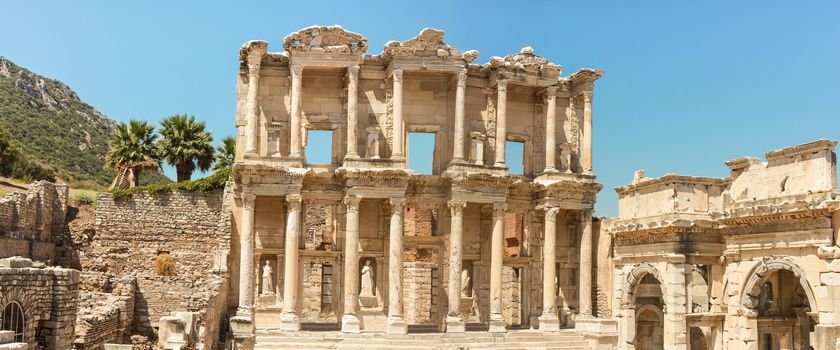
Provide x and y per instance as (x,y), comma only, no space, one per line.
(264,174)
(525,60)
(331,39)
(803,149)
(673,179)
(571,190)
(429,43)
(585,75)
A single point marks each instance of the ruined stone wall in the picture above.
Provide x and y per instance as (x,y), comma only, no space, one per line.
(106,310)
(417,292)
(192,228)
(29,220)
(48,297)
(511,296)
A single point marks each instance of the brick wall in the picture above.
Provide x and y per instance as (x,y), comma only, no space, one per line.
(106,310)
(417,292)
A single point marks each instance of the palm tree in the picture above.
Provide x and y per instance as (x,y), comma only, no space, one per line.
(186,145)
(225,154)
(132,149)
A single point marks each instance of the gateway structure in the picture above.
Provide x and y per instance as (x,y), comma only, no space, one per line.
(364,243)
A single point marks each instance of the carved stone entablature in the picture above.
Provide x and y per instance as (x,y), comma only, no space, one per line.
(251,54)
(683,235)
(583,80)
(797,207)
(422,183)
(330,39)
(429,43)
(645,183)
(803,149)
(524,68)
(385,178)
(252,174)
(321,182)
(581,191)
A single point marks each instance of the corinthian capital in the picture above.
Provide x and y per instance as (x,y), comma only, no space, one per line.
(248,200)
(297,70)
(551,214)
(398,75)
(456,207)
(294,201)
(353,72)
(397,205)
(352,203)
(587,96)
(499,209)
(502,85)
(462,78)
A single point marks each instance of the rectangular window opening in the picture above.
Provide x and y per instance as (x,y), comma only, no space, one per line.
(319,148)
(515,157)
(421,152)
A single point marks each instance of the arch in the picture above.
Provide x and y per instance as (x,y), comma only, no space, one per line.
(634,278)
(13,319)
(760,272)
(31,317)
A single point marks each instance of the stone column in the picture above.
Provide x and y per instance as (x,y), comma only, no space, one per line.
(585,265)
(501,128)
(460,101)
(550,129)
(454,321)
(398,127)
(497,255)
(246,258)
(252,104)
(549,322)
(289,321)
(296,150)
(352,101)
(586,146)
(350,322)
(396,323)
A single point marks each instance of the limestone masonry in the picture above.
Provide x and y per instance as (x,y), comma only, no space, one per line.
(363,253)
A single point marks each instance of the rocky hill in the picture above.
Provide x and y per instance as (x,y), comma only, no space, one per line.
(55,128)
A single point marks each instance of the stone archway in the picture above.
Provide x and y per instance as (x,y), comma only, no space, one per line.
(776,299)
(31,317)
(643,325)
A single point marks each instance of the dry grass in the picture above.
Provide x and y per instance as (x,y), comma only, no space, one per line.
(165,265)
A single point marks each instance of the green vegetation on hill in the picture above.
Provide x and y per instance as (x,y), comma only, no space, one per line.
(55,129)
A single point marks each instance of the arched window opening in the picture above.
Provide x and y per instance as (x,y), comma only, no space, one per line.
(13,319)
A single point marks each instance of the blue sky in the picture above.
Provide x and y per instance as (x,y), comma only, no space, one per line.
(688,85)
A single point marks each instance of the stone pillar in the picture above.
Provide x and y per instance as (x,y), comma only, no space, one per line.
(677,306)
(350,322)
(396,323)
(497,255)
(454,321)
(586,146)
(246,257)
(501,128)
(550,130)
(296,150)
(460,101)
(549,322)
(352,101)
(585,264)
(289,321)
(252,105)
(398,127)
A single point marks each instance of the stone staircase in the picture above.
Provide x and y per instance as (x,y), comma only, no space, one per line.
(517,339)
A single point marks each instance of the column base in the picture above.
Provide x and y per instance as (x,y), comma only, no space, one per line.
(455,325)
(289,322)
(496,324)
(245,342)
(242,325)
(350,324)
(396,325)
(549,323)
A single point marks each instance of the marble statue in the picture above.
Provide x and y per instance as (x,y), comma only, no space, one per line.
(367,280)
(267,279)
(465,283)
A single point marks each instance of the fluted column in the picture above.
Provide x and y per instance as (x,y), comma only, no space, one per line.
(399,128)
(551,129)
(289,320)
(454,321)
(460,101)
(296,150)
(549,322)
(350,321)
(255,53)
(497,255)
(396,323)
(586,147)
(585,295)
(246,258)
(501,117)
(352,101)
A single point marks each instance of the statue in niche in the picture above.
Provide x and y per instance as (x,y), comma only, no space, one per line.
(267,279)
(367,280)
(465,283)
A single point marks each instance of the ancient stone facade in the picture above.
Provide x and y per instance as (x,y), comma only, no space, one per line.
(745,262)
(466,244)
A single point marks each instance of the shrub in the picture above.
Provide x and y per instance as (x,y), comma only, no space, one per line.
(84,199)
(165,265)
(212,182)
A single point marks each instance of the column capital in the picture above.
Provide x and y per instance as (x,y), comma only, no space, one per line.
(551,91)
(462,78)
(297,70)
(456,206)
(294,200)
(551,213)
(253,68)
(587,96)
(352,203)
(353,72)
(586,215)
(501,85)
(499,209)
(397,205)
(398,75)
(248,199)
